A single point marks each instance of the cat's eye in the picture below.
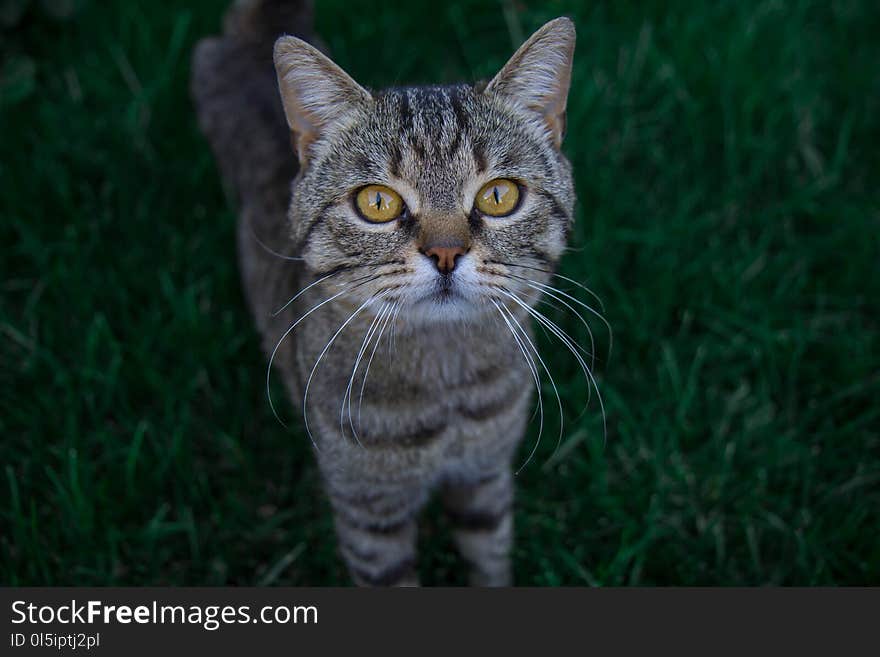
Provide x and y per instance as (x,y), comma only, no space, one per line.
(498,198)
(378,203)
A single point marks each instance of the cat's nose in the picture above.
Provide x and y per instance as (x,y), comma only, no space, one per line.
(444,257)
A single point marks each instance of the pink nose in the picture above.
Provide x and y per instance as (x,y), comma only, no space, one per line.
(445,257)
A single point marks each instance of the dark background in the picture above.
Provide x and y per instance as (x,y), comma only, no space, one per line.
(726,161)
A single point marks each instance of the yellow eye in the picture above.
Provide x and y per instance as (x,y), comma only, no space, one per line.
(379,204)
(498,197)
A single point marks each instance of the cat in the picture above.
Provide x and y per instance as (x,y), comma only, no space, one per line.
(420,226)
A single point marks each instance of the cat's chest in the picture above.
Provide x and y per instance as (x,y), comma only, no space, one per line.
(417,371)
(420,387)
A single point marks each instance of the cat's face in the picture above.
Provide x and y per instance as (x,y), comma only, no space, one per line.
(439,200)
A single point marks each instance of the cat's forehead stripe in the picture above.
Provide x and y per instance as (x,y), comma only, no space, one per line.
(433,123)
(428,112)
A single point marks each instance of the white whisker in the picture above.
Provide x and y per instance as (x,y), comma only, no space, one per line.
(558,275)
(550,290)
(388,317)
(368,335)
(284,335)
(392,335)
(301,292)
(571,345)
(269,250)
(321,356)
(592,352)
(530,362)
(552,383)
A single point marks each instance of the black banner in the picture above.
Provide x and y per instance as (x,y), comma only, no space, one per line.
(224,621)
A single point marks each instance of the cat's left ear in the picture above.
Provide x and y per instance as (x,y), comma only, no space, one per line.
(539,74)
(317,95)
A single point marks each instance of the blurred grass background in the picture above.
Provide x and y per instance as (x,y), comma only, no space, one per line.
(726,159)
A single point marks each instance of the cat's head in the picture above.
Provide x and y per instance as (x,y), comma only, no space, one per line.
(442,200)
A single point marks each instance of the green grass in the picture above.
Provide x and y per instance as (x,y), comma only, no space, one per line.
(728,176)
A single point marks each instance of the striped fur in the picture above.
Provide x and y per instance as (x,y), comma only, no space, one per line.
(410,382)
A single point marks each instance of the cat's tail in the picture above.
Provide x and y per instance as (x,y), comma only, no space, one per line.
(235,91)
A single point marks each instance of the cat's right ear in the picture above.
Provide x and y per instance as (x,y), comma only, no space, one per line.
(539,74)
(317,95)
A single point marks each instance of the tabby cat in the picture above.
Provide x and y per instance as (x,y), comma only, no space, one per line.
(391,259)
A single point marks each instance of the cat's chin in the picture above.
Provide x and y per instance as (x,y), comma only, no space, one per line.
(442,307)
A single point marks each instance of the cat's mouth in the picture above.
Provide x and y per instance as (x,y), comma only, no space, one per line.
(446,295)
(445,291)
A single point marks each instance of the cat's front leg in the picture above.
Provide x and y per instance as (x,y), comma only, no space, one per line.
(481,513)
(377,533)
